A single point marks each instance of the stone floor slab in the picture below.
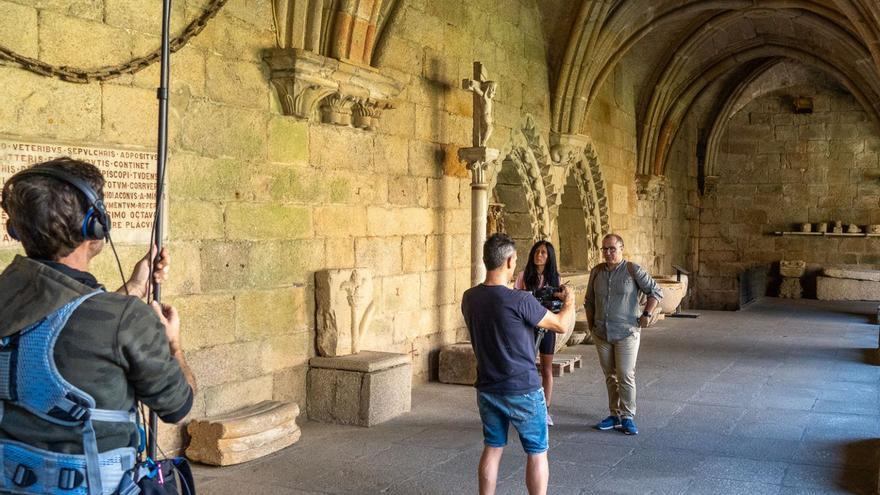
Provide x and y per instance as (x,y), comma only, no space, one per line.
(789,407)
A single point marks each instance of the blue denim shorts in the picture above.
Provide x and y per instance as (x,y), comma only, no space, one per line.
(527,413)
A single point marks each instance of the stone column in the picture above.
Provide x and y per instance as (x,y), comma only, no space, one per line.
(478,159)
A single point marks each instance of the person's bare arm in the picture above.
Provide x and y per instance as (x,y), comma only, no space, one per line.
(559,322)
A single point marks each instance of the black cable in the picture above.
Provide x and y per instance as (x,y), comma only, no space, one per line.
(118,264)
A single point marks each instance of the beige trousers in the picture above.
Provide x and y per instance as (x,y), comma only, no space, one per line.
(618,361)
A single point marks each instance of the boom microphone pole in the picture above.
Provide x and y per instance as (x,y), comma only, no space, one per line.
(161,158)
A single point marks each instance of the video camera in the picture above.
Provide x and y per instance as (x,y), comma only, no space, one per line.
(546,296)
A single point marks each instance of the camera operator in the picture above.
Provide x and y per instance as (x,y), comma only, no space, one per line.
(501,324)
(541,273)
(76,427)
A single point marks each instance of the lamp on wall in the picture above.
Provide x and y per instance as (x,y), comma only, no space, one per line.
(803,105)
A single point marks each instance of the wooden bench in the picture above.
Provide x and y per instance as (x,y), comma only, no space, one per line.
(565,363)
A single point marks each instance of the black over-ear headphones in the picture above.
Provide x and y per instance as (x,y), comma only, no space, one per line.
(95,224)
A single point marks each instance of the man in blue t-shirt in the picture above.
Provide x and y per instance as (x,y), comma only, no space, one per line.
(501,324)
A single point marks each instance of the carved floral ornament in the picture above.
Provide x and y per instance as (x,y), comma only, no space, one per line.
(321,67)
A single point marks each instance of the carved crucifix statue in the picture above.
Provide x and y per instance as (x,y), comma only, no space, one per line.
(484,93)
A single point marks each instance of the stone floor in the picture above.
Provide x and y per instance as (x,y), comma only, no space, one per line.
(780,398)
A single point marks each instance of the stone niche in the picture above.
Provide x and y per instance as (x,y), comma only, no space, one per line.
(363,389)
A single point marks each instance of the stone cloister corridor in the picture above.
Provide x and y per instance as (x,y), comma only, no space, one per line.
(780,398)
(334,166)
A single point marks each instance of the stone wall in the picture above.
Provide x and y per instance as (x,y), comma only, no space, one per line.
(259,201)
(611,125)
(779,169)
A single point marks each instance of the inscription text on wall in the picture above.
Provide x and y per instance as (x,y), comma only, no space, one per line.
(129,191)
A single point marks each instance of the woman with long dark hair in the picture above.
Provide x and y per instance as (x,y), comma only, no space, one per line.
(541,271)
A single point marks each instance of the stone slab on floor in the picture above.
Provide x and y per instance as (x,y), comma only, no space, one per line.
(458,364)
(844,289)
(243,435)
(362,389)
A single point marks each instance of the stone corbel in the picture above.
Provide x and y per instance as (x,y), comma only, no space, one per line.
(347,94)
(649,186)
(566,149)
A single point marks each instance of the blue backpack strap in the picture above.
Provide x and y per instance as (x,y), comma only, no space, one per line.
(29,378)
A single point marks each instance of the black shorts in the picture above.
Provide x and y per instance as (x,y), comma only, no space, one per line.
(548,343)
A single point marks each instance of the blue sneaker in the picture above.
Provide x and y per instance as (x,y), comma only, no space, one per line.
(608,423)
(629,427)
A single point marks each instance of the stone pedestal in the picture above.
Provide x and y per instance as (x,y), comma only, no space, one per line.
(361,389)
(791,288)
(243,435)
(458,364)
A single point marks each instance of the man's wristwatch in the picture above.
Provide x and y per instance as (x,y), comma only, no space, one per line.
(647,314)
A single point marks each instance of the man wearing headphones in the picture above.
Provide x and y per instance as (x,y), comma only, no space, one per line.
(110,349)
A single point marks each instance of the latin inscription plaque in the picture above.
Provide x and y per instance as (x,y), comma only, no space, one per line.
(129,191)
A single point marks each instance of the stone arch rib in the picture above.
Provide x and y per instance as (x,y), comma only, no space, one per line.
(711,141)
(678,88)
(606,30)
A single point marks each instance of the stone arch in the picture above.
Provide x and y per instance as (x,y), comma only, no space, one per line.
(345,30)
(711,141)
(519,172)
(542,175)
(668,108)
(606,31)
(585,178)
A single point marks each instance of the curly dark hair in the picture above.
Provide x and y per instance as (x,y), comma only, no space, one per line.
(551,273)
(47,213)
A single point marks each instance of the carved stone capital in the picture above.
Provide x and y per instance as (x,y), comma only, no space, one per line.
(347,94)
(336,109)
(478,159)
(565,149)
(649,186)
(366,113)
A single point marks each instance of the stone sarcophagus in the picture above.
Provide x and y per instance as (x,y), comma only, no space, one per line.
(345,310)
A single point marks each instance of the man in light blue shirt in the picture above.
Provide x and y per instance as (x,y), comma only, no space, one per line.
(612,306)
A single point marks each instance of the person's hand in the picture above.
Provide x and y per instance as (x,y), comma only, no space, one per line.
(644,321)
(565,294)
(168,316)
(139,284)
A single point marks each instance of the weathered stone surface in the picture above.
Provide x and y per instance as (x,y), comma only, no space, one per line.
(791,288)
(855,273)
(364,361)
(244,435)
(842,289)
(359,398)
(792,268)
(345,309)
(458,364)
